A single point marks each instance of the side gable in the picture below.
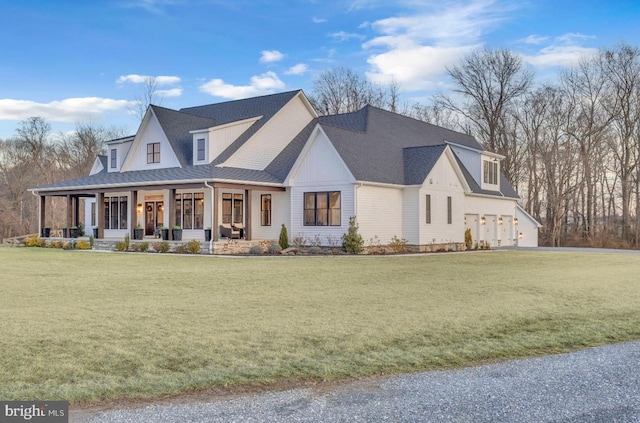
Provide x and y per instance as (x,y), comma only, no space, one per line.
(445,174)
(268,141)
(99,164)
(150,132)
(318,163)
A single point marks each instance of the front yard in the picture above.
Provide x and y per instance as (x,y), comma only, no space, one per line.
(86,326)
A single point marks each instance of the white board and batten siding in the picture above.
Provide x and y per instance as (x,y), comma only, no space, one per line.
(471,159)
(492,209)
(380,213)
(280,213)
(527,229)
(151,132)
(442,182)
(273,137)
(320,169)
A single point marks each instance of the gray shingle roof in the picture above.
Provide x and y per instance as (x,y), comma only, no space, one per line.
(372,141)
(418,162)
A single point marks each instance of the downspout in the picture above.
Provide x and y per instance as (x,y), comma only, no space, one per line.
(39,213)
(212,214)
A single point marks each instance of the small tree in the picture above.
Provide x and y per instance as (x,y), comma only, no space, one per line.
(284,238)
(352,242)
(468,240)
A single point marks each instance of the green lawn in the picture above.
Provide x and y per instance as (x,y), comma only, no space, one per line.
(85,326)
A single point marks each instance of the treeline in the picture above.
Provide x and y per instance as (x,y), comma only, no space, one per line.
(35,157)
(571,147)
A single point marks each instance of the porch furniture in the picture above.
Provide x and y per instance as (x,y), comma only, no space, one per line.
(227,231)
(239,227)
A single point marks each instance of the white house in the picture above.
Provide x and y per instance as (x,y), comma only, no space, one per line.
(262,162)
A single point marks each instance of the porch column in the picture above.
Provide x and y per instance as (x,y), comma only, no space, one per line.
(133,213)
(172,211)
(41,220)
(214,213)
(247,213)
(75,200)
(100,214)
(69,217)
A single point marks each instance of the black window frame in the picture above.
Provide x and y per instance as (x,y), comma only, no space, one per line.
(115,212)
(189,208)
(322,216)
(200,148)
(265,210)
(153,156)
(449,210)
(427,207)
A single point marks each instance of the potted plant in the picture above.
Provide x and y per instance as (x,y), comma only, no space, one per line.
(73,232)
(65,232)
(164,231)
(138,232)
(95,233)
(46,232)
(177,233)
(207,234)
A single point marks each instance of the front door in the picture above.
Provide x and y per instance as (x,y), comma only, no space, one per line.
(154,217)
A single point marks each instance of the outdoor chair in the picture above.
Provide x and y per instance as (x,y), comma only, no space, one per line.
(227,231)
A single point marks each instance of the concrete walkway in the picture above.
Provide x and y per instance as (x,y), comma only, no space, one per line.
(595,385)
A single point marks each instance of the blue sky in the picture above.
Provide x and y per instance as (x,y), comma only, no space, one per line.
(71,61)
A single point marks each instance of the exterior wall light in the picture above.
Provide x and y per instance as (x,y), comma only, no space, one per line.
(483,220)
(515,220)
(500,221)
(139,209)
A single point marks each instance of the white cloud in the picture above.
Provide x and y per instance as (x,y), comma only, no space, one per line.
(67,110)
(267,83)
(559,56)
(534,39)
(173,92)
(270,56)
(346,36)
(141,79)
(414,49)
(299,69)
(318,20)
(563,51)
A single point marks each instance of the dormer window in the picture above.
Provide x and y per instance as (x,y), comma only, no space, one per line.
(153,152)
(490,171)
(114,158)
(200,149)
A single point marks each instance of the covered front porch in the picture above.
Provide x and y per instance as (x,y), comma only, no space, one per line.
(173,212)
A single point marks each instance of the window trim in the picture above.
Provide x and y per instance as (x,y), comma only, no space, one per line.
(428,209)
(449,210)
(114,158)
(199,150)
(265,213)
(490,172)
(153,156)
(330,212)
(115,210)
(187,205)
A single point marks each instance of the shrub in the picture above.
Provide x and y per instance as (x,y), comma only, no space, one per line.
(144,246)
(284,238)
(126,242)
(180,249)
(121,246)
(299,241)
(34,241)
(83,245)
(57,244)
(315,250)
(161,247)
(67,246)
(134,247)
(273,248)
(468,240)
(91,240)
(398,245)
(256,250)
(193,247)
(352,241)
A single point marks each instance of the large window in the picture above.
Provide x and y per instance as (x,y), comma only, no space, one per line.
(449,211)
(322,208)
(232,208)
(190,210)
(265,210)
(114,158)
(428,209)
(115,213)
(153,152)
(200,149)
(490,172)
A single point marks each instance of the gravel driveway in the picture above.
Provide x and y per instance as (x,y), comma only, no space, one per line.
(595,385)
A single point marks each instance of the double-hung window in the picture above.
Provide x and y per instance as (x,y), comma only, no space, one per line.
(265,210)
(115,212)
(114,158)
(200,149)
(490,172)
(190,210)
(322,208)
(153,152)
(428,208)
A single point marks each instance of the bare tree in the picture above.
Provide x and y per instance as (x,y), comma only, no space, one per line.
(490,81)
(146,96)
(341,90)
